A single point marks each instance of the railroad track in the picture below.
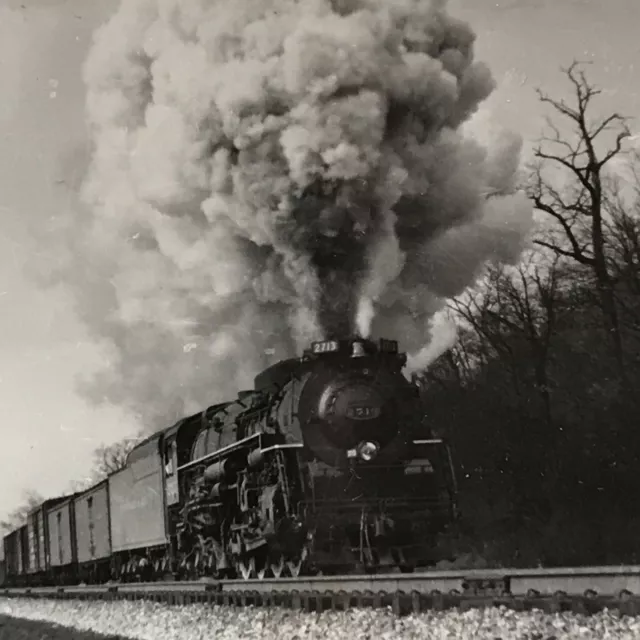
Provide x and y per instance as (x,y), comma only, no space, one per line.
(582,589)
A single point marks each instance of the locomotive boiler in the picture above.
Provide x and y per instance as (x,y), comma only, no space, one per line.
(327,465)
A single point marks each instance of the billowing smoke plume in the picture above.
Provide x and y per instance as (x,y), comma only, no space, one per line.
(268,172)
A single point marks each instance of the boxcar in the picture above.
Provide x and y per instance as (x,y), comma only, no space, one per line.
(62,540)
(37,540)
(3,564)
(16,552)
(38,533)
(23,552)
(93,533)
(10,547)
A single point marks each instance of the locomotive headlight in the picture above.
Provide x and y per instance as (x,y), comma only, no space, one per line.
(367,451)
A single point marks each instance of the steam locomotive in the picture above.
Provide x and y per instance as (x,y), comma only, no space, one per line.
(327,465)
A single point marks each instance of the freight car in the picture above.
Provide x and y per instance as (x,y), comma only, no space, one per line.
(16,552)
(3,566)
(62,547)
(28,550)
(328,465)
(93,533)
(42,538)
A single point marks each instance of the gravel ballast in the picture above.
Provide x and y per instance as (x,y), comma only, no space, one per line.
(152,621)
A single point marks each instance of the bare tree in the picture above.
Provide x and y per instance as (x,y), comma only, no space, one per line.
(579,209)
(526,304)
(18,517)
(107,459)
(515,314)
(623,228)
(477,311)
(112,458)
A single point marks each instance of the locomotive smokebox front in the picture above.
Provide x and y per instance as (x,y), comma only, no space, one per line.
(353,408)
(353,404)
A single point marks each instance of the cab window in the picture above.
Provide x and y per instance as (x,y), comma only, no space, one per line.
(168,459)
(228,435)
(200,447)
(212,442)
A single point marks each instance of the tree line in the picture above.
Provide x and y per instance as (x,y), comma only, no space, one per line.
(539,394)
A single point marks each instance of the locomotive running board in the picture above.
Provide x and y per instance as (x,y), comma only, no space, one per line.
(236,446)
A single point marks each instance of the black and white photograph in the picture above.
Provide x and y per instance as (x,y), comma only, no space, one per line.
(319,319)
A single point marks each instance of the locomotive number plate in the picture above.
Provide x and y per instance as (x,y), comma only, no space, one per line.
(362,413)
(327,346)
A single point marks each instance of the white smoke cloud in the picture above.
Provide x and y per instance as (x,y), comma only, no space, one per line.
(443,332)
(266,173)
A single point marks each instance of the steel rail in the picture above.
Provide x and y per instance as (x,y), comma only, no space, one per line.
(583,589)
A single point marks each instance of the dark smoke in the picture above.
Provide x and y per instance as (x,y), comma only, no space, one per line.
(270,172)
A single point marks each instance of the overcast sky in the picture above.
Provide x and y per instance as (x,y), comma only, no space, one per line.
(48,432)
